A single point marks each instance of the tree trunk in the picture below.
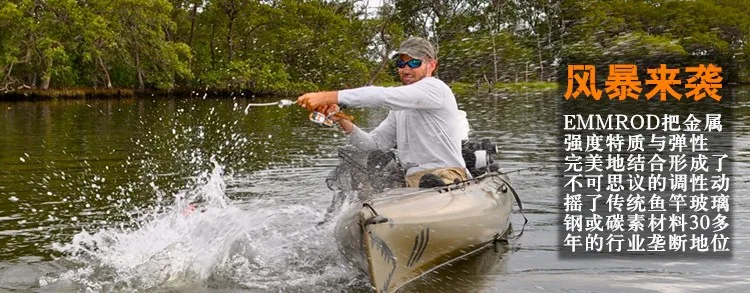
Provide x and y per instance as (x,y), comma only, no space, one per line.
(494,56)
(553,12)
(46,80)
(527,71)
(552,53)
(490,85)
(374,75)
(139,71)
(386,49)
(47,63)
(192,24)
(6,75)
(437,53)
(213,46)
(541,61)
(230,41)
(107,80)
(29,54)
(232,9)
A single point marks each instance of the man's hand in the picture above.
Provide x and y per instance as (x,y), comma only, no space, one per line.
(346,125)
(345,121)
(328,109)
(313,101)
(326,103)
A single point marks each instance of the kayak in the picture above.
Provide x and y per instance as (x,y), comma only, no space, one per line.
(402,234)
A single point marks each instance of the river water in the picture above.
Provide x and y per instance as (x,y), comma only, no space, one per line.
(92,195)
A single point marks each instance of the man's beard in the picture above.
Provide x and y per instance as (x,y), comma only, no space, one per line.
(414,78)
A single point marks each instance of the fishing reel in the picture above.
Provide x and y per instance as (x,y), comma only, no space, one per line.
(322,119)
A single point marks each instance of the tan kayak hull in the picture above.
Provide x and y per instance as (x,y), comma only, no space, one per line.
(405,233)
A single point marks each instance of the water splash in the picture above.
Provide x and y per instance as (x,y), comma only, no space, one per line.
(257,244)
(259,233)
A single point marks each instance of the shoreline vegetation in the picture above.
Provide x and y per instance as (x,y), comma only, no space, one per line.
(100,48)
(459,88)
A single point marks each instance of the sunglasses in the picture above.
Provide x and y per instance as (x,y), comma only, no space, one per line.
(413,63)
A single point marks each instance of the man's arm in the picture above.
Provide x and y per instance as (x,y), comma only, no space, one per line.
(381,138)
(428,93)
(313,101)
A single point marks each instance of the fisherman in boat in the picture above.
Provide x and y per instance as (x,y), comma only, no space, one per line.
(424,123)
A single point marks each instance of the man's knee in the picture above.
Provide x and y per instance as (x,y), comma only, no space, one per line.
(436,177)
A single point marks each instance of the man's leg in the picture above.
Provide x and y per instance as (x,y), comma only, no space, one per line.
(436,177)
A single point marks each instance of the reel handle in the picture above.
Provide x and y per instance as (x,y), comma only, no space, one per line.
(321,119)
(342,115)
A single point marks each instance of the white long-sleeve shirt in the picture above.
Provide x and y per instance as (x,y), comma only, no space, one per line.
(424,123)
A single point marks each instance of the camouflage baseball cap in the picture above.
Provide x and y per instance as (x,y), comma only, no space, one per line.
(417,48)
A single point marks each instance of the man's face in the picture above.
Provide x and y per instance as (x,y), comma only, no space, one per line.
(411,75)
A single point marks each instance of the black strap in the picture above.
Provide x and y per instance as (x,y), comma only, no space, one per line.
(369,206)
(520,204)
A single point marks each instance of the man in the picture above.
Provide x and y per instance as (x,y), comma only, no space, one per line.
(424,123)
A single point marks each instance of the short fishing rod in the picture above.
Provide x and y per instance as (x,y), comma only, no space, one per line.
(526,169)
(281,103)
(315,116)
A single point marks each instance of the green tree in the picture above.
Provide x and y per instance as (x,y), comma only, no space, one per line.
(11,38)
(141,26)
